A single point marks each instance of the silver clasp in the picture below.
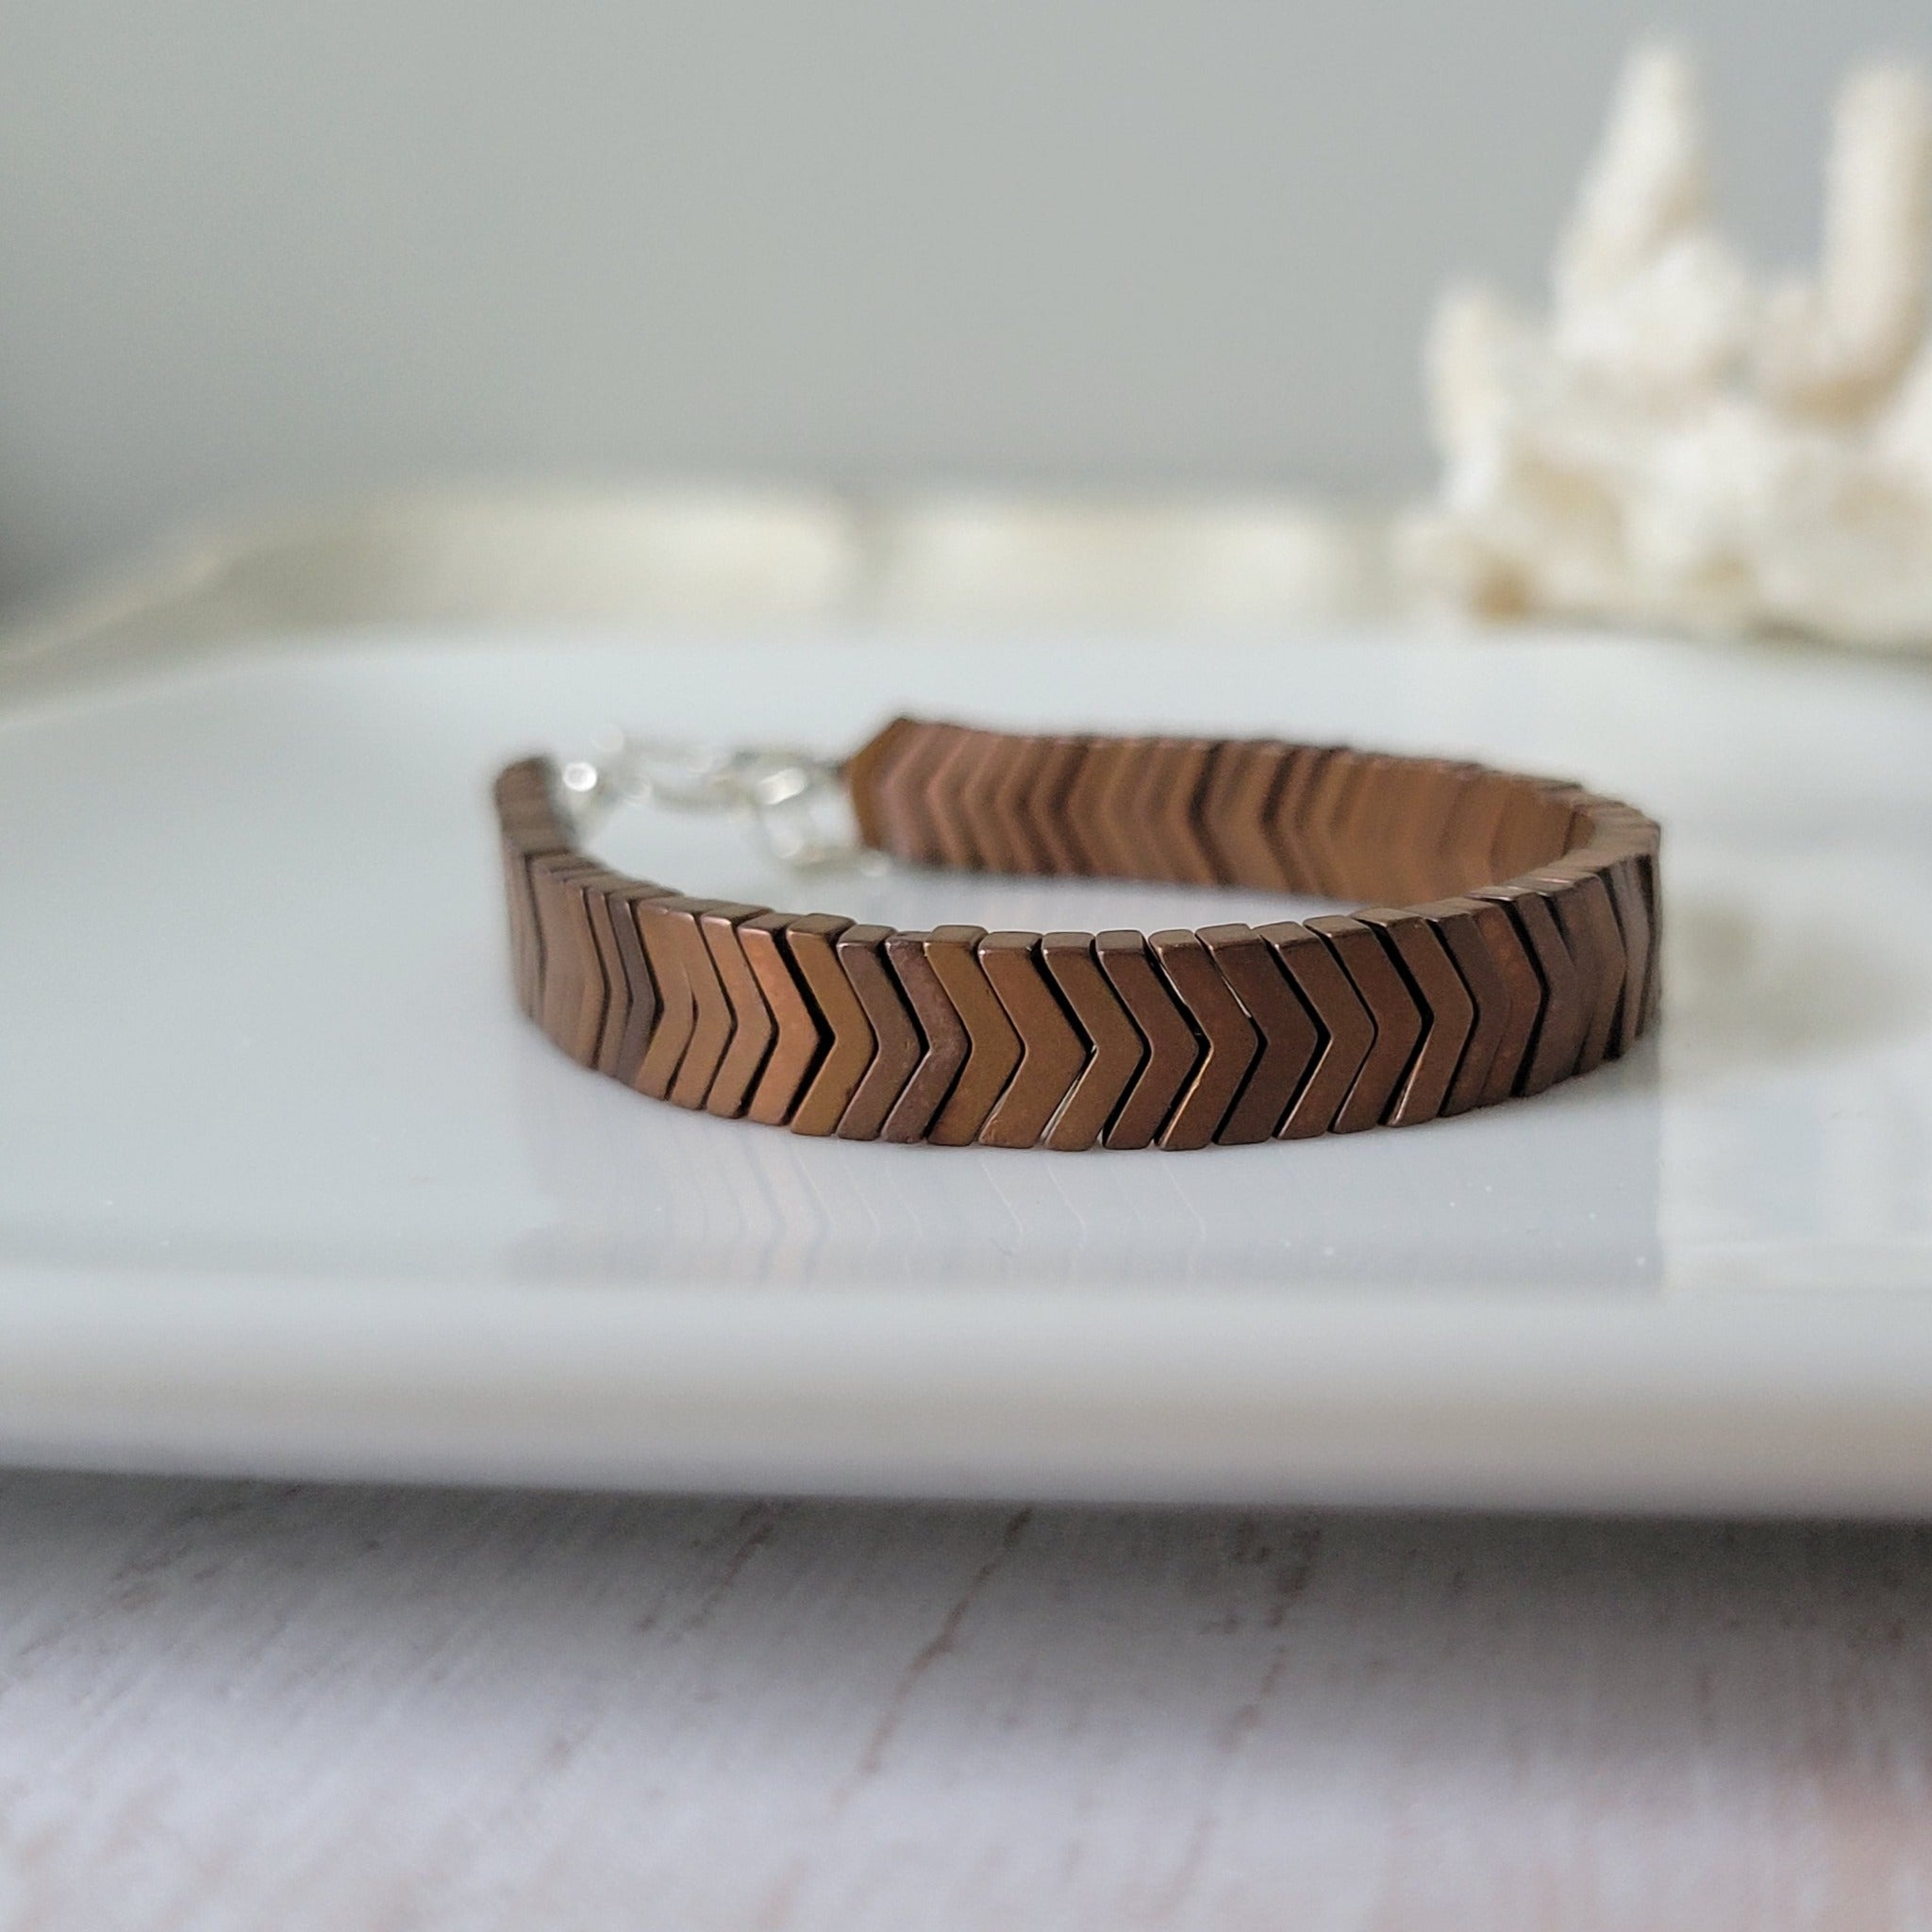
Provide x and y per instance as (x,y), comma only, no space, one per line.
(794,801)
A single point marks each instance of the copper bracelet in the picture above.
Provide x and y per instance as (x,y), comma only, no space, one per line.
(1468,992)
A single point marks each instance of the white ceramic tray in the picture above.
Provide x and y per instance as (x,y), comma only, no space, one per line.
(287,1187)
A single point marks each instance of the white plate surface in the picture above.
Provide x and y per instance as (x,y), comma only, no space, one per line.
(289,1188)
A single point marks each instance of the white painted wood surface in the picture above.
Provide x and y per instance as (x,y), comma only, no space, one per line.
(227,1706)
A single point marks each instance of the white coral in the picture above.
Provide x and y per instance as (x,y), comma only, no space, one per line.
(1673,442)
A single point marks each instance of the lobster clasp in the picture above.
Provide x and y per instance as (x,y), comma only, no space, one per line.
(793,800)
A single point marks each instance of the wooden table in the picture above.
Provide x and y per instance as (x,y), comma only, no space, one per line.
(230,1705)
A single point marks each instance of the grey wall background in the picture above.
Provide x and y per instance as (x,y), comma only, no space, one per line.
(258,254)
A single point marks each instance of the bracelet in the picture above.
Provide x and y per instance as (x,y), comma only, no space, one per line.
(1469,994)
